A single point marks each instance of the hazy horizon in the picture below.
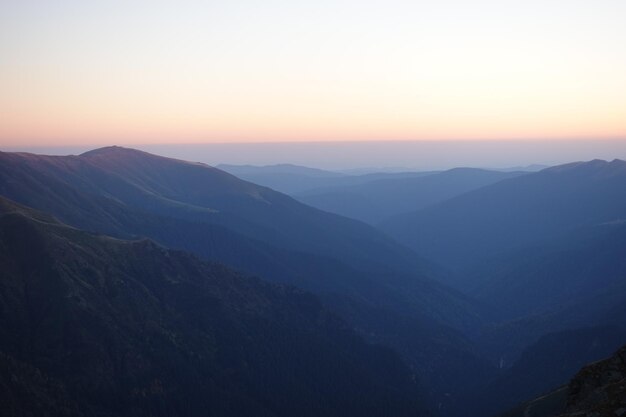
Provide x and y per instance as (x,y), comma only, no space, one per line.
(334,85)
(384,155)
(143,72)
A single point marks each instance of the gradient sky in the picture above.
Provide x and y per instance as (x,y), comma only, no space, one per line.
(139,72)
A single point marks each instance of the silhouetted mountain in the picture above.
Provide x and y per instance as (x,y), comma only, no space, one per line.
(550,362)
(525,168)
(374,201)
(515,212)
(598,390)
(238,170)
(127,193)
(294,179)
(96,326)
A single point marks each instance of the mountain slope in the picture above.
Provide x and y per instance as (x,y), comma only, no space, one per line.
(515,212)
(194,192)
(129,328)
(194,207)
(548,276)
(598,389)
(550,362)
(374,201)
(130,194)
(506,340)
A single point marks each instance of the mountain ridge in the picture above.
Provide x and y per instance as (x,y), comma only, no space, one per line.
(515,212)
(130,328)
(283,242)
(378,199)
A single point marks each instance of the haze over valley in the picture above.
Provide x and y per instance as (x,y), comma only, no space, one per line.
(514,294)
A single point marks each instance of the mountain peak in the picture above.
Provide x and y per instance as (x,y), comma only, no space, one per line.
(113,150)
(593,167)
(120,155)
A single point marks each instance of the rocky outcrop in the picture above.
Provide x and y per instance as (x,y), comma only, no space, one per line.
(599,389)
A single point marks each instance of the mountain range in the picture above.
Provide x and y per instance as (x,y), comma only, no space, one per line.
(469,291)
(378,199)
(294,179)
(354,268)
(466,229)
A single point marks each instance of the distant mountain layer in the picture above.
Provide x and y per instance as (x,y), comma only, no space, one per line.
(598,390)
(95,326)
(378,199)
(238,170)
(468,228)
(294,179)
(368,197)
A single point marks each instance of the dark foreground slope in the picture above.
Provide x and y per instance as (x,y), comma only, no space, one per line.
(95,326)
(549,363)
(598,390)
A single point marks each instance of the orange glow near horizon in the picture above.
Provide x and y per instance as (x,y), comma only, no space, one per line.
(162,72)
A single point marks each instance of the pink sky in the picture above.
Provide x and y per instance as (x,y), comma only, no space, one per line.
(139,72)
